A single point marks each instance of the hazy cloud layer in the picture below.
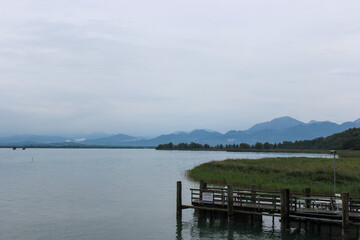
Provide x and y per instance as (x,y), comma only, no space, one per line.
(152,67)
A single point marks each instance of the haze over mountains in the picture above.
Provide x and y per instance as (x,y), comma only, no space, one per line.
(274,131)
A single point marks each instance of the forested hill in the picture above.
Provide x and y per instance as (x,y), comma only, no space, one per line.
(347,140)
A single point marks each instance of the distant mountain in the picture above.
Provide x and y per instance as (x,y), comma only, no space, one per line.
(276,124)
(89,136)
(274,131)
(314,121)
(32,138)
(298,132)
(199,135)
(116,140)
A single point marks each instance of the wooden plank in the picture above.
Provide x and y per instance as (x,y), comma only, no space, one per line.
(354,223)
(257,213)
(205,208)
(315,214)
(324,220)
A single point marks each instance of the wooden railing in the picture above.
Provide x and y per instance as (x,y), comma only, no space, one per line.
(288,206)
(270,200)
(241,198)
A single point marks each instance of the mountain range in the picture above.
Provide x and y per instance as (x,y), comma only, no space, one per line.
(274,131)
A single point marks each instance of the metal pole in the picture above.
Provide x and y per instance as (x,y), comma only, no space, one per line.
(334,152)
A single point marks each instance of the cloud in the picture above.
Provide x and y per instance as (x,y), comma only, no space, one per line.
(342,72)
(147,68)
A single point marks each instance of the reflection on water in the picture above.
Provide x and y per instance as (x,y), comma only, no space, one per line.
(215,225)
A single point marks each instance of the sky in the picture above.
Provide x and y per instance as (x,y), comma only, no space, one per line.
(146,68)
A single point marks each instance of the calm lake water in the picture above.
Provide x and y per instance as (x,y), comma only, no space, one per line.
(115,194)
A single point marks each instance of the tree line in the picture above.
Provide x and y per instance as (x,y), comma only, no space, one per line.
(198,146)
(347,140)
(183,146)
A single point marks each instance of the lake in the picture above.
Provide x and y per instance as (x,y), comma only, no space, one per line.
(114,194)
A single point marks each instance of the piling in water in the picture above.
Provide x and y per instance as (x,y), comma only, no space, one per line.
(178,200)
(285,209)
(230,202)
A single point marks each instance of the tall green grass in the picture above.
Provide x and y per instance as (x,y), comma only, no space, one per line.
(276,173)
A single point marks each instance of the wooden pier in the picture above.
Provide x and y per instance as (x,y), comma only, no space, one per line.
(341,210)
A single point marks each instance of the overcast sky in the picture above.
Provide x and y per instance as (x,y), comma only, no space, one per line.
(146,68)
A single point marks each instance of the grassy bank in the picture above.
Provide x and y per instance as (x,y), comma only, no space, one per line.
(276,173)
(320,151)
(349,154)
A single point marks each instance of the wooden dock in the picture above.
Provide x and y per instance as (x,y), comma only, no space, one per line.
(342,210)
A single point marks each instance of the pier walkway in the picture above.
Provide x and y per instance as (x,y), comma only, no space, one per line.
(341,209)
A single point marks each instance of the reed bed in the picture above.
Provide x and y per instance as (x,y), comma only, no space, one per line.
(276,173)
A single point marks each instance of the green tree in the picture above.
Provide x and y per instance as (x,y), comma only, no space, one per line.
(245,146)
(259,145)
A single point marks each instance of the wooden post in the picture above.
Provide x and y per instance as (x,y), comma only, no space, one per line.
(274,203)
(251,218)
(319,228)
(308,194)
(179,229)
(178,200)
(285,209)
(203,186)
(230,202)
(222,197)
(345,215)
(253,192)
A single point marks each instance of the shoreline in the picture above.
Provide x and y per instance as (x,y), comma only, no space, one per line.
(76,147)
(340,153)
